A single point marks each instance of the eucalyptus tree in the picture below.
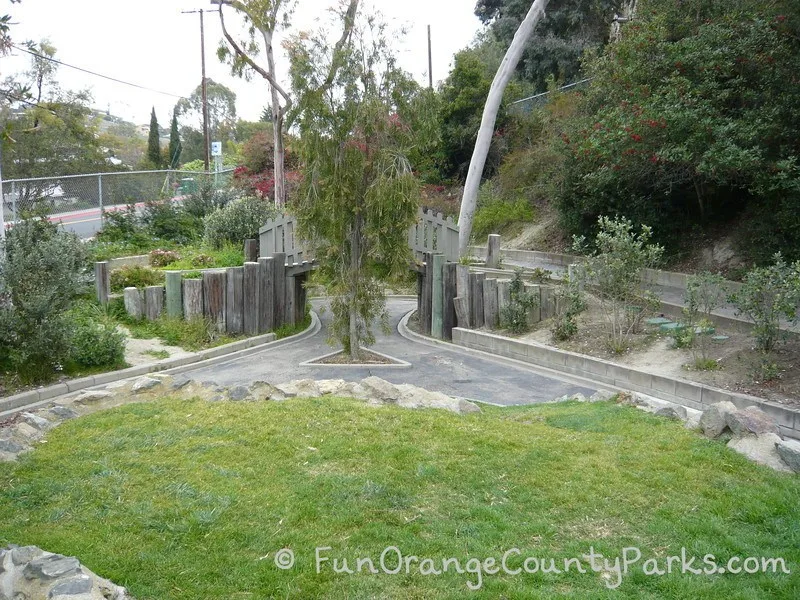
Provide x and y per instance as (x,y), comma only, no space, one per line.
(359,194)
(262,19)
(493,100)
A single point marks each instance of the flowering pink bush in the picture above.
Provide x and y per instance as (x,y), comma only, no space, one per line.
(161,258)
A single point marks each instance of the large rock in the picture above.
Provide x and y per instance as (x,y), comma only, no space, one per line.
(261,390)
(62,413)
(761,449)
(144,384)
(93,396)
(353,389)
(301,388)
(36,421)
(381,390)
(674,412)
(789,451)
(52,566)
(415,397)
(750,421)
(601,396)
(330,386)
(11,446)
(29,573)
(715,418)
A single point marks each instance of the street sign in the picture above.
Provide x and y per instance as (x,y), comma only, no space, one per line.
(216,148)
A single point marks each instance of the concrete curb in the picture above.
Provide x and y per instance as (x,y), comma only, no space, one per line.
(678,391)
(413,336)
(211,356)
(396,364)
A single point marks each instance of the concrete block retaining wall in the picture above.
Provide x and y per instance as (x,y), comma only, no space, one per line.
(686,393)
(651,276)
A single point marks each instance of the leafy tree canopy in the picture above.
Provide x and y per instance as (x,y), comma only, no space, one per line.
(693,116)
(568,30)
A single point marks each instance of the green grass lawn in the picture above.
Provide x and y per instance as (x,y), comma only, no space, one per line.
(191,500)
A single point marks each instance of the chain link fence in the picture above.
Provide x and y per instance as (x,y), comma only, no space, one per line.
(71,194)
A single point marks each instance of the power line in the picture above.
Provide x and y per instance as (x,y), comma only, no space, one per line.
(58,62)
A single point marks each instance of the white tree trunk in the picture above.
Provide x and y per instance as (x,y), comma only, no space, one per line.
(277,128)
(486,131)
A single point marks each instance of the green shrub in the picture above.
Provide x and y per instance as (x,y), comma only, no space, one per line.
(615,270)
(207,199)
(494,213)
(135,276)
(767,295)
(42,269)
(95,340)
(514,315)
(169,221)
(570,302)
(238,221)
(119,225)
(202,260)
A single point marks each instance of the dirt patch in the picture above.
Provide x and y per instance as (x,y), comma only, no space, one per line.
(143,352)
(740,368)
(366,358)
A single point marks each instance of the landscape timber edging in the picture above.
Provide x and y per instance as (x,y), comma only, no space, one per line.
(678,391)
(210,356)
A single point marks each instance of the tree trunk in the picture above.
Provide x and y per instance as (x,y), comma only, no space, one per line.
(486,131)
(355,274)
(277,127)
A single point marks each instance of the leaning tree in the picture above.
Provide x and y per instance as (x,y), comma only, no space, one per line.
(358,195)
(504,74)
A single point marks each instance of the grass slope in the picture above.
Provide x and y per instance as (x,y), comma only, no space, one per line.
(191,500)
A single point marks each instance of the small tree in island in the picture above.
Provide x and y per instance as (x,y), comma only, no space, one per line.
(359,195)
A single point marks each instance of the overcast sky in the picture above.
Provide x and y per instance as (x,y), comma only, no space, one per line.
(150,43)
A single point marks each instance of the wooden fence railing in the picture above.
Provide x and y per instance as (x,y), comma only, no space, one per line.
(432,232)
(277,236)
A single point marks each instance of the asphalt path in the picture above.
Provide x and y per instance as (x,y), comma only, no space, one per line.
(445,368)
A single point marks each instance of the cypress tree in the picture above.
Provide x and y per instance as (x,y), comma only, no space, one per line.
(175,146)
(153,144)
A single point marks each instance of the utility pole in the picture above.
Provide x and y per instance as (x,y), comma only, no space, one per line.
(204,87)
(430,60)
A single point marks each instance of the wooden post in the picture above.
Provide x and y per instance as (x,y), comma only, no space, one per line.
(476,299)
(503,298)
(174,289)
(437,296)
(234,300)
(535,313)
(493,251)
(449,310)
(214,297)
(490,316)
(420,284)
(463,289)
(192,299)
(102,282)
(266,294)
(427,295)
(250,298)
(134,302)
(288,307)
(153,301)
(299,298)
(279,289)
(461,306)
(548,302)
(250,250)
